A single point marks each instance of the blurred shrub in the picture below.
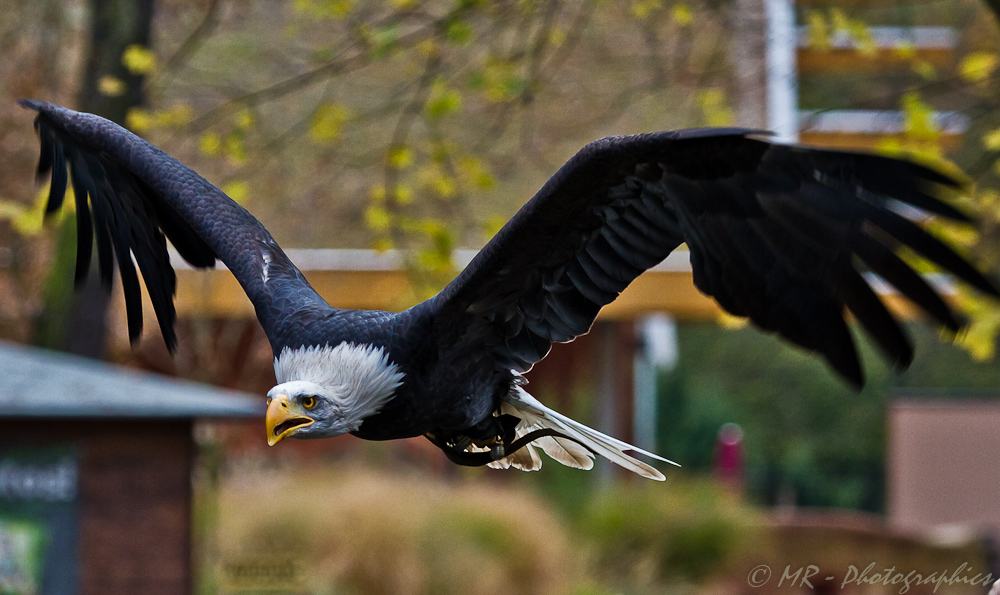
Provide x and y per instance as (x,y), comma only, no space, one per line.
(685,531)
(362,532)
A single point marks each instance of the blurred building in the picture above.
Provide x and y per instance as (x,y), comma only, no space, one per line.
(943,472)
(95,474)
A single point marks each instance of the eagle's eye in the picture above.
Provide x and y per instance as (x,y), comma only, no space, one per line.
(309,402)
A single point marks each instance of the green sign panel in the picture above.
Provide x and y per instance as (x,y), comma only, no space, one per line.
(38,520)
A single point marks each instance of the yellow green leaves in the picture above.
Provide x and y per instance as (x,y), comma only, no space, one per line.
(238,190)
(328,122)
(492,225)
(323,9)
(459,32)
(434,179)
(400,157)
(643,9)
(713,106)
(424,183)
(922,142)
(474,173)
(682,14)
(499,81)
(442,100)
(918,117)
(111,86)
(817,31)
(210,144)
(823,29)
(979,340)
(138,59)
(905,50)
(232,145)
(978,66)
(377,218)
(556,36)
(921,138)
(28,220)
(991,140)
(142,121)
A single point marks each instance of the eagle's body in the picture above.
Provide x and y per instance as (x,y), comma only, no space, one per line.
(777,234)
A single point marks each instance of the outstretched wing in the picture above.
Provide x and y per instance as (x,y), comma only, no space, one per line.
(137,195)
(780,234)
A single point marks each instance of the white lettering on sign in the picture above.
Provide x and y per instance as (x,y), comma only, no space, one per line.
(52,482)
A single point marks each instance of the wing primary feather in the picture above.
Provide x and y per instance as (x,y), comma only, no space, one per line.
(57,185)
(934,249)
(84,232)
(890,267)
(160,289)
(129,279)
(902,180)
(102,218)
(46,150)
(837,345)
(875,318)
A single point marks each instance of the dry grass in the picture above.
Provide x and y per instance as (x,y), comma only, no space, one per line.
(322,531)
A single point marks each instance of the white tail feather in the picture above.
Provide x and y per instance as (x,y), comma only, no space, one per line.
(535,416)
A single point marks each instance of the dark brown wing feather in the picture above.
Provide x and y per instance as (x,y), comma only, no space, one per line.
(131,197)
(777,233)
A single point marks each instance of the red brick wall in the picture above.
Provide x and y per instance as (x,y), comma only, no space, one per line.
(134,500)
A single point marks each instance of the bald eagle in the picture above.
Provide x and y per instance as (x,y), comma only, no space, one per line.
(777,233)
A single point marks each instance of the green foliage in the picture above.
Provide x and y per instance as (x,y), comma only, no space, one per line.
(922,142)
(414,124)
(685,531)
(442,101)
(822,28)
(498,80)
(459,32)
(28,220)
(795,413)
(340,530)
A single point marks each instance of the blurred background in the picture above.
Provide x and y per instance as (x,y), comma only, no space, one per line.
(382,143)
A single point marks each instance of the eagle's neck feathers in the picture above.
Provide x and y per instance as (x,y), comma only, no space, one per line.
(359,378)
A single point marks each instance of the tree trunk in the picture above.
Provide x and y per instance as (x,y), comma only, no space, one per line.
(749,55)
(77,324)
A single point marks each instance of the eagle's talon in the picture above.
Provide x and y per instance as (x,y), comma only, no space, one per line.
(460,443)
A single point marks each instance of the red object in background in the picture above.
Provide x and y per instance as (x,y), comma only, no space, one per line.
(728,467)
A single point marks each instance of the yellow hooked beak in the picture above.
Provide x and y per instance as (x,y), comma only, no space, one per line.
(284,418)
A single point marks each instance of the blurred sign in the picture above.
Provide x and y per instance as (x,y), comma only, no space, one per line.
(262,575)
(38,518)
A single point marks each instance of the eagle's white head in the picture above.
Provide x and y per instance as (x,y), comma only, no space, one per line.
(325,391)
